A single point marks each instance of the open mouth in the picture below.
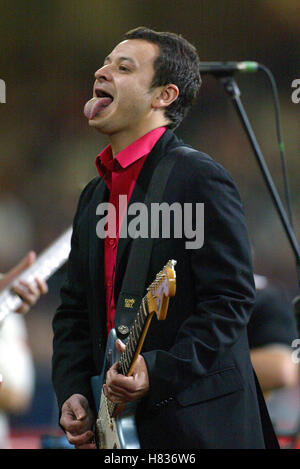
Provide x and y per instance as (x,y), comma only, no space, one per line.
(103,94)
(95,105)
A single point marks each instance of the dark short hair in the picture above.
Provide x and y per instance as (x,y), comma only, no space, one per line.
(177,63)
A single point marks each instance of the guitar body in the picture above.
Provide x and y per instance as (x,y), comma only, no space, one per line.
(119,432)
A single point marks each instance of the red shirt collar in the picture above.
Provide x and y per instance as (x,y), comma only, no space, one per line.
(136,150)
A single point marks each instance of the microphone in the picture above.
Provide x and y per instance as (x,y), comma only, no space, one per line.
(228,68)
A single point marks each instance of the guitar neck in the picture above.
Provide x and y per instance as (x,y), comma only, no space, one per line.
(45,265)
(156,301)
(136,339)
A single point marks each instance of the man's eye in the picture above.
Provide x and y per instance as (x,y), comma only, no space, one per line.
(123,68)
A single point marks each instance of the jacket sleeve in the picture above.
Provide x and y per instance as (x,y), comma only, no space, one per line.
(222,277)
(72,349)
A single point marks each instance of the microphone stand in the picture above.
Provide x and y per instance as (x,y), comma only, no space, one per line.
(234,93)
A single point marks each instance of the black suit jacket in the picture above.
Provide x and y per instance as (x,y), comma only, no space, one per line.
(202,391)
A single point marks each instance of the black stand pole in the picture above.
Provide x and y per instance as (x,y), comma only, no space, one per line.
(233,91)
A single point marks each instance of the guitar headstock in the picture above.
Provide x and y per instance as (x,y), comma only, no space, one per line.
(163,287)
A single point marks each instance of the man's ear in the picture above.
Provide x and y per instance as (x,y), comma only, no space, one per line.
(165,96)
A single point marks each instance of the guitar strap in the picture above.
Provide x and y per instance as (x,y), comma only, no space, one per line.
(134,282)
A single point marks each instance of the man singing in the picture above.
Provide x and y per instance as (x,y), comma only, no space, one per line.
(193,381)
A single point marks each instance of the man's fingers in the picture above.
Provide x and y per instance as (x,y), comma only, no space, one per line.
(120,395)
(79,410)
(120,383)
(42,286)
(23,309)
(29,293)
(30,288)
(77,419)
(74,427)
(116,398)
(112,372)
(121,389)
(82,439)
(73,415)
(20,267)
(120,346)
(28,300)
(26,292)
(120,386)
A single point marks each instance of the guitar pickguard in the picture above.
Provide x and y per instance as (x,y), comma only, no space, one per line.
(106,427)
(119,432)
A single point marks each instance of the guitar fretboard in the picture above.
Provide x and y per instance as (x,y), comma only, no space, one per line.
(140,326)
(134,337)
(45,265)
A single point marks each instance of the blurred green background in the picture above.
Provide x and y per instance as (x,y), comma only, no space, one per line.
(49,53)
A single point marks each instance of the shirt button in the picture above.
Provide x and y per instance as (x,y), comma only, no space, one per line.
(109,283)
(111,242)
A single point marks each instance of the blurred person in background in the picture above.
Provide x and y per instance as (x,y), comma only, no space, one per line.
(271,330)
(16,363)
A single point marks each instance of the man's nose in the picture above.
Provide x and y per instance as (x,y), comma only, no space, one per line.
(103,73)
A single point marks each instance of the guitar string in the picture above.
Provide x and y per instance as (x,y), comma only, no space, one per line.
(134,334)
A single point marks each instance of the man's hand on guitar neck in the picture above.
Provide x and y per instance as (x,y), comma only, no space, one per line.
(121,389)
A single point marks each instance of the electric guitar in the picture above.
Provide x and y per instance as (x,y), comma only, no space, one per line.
(115,426)
(50,260)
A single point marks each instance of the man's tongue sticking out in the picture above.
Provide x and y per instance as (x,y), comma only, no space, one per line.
(95,105)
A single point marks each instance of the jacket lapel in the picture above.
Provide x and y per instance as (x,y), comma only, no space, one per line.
(96,253)
(138,195)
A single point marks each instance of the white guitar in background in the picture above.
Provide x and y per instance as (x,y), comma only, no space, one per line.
(48,262)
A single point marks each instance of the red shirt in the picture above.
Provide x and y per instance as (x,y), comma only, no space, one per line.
(120,175)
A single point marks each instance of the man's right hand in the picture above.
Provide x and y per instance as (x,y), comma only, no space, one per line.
(77,419)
